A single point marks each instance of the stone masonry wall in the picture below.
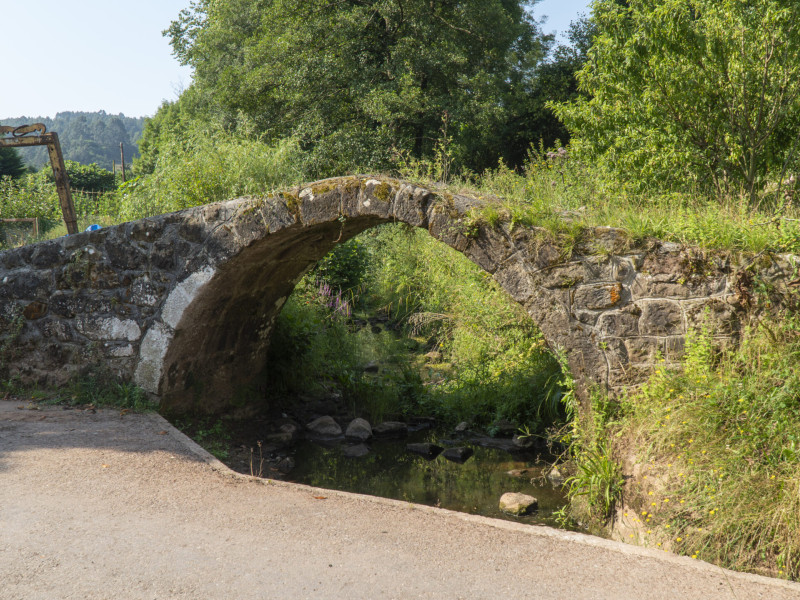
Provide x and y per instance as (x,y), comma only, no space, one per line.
(183,304)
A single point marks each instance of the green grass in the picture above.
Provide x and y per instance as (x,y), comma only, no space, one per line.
(550,189)
(96,387)
(211,434)
(718,444)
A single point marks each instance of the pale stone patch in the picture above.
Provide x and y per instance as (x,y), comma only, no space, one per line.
(151,357)
(121,351)
(183,294)
(108,328)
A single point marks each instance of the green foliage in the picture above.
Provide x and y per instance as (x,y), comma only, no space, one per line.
(719,443)
(565,196)
(345,267)
(351,80)
(11,164)
(87,177)
(598,478)
(210,166)
(698,93)
(96,387)
(28,197)
(211,434)
(493,360)
(173,121)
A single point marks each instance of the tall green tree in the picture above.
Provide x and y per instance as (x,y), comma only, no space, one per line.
(691,92)
(355,78)
(11,163)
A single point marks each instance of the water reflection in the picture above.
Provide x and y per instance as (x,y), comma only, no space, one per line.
(390,471)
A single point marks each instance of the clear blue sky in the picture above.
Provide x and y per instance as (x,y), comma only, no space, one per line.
(89,55)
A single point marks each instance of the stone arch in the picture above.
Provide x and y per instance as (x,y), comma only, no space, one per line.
(213,331)
(183,303)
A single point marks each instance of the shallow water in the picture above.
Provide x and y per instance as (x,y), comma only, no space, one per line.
(391,472)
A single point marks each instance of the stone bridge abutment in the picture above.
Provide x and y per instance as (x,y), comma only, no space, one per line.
(183,304)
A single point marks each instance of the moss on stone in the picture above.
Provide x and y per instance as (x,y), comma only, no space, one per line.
(324,188)
(383,192)
(292,203)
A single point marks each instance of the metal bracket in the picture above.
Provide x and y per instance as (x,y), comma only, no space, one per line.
(36,135)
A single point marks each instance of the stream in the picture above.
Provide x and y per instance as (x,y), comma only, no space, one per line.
(389,470)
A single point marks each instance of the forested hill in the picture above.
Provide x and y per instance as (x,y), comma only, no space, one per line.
(86,137)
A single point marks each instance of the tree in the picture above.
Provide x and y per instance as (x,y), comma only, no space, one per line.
(691,92)
(11,163)
(355,78)
(531,119)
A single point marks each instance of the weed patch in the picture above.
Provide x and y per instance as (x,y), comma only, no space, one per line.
(718,447)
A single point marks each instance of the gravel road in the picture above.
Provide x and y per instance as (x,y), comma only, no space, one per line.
(109,506)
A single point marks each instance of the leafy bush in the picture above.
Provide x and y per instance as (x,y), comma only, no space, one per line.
(210,166)
(345,267)
(683,95)
(90,178)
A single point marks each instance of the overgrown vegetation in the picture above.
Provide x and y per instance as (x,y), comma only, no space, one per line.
(95,387)
(478,356)
(715,452)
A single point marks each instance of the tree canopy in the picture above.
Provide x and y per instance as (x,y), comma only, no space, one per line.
(691,92)
(355,79)
(85,137)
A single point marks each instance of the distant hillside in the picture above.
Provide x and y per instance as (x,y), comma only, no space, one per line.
(86,137)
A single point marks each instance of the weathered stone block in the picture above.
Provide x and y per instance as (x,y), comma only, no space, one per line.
(318,204)
(618,324)
(624,269)
(661,317)
(144,230)
(411,205)
(587,317)
(68,304)
(489,248)
(47,255)
(715,313)
(378,198)
(564,276)
(143,292)
(125,256)
(107,328)
(58,329)
(599,296)
(643,349)
(26,285)
(513,278)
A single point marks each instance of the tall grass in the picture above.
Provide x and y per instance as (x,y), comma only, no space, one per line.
(494,360)
(719,442)
(210,166)
(565,195)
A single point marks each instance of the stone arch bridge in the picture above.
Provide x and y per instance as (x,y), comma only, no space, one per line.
(183,303)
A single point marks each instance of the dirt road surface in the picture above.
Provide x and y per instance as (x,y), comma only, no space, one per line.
(109,506)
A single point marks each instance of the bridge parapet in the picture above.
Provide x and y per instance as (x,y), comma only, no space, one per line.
(183,303)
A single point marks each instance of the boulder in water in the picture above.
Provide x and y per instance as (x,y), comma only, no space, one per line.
(358,429)
(518,504)
(324,426)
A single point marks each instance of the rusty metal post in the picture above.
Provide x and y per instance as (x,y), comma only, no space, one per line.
(62,183)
